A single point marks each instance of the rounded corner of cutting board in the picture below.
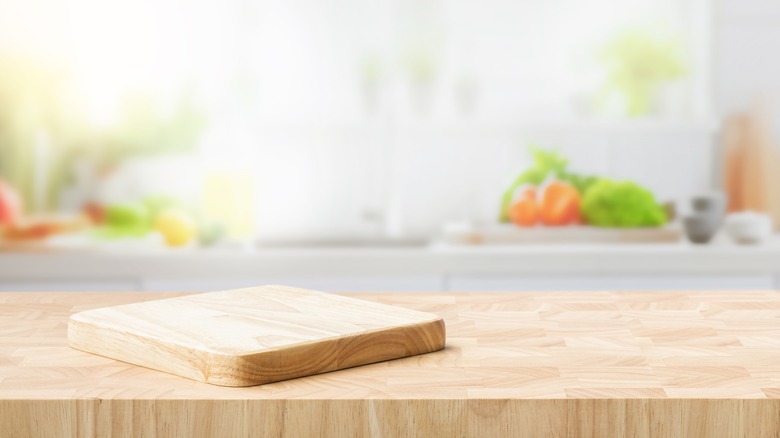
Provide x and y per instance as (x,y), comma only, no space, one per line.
(72,327)
(231,375)
(83,317)
(233,382)
(441,328)
(76,336)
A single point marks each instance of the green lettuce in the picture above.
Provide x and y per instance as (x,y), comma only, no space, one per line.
(621,204)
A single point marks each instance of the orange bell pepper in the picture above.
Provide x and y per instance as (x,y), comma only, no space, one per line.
(560,204)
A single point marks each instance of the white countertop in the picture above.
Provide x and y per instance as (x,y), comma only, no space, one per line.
(435,259)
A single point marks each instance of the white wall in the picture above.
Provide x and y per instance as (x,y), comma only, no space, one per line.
(404,171)
(746,47)
(456,171)
(290,100)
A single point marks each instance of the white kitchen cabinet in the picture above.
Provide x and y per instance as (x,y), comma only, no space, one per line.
(69,285)
(496,282)
(436,268)
(420,283)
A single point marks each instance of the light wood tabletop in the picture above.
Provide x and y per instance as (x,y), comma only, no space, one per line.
(515,364)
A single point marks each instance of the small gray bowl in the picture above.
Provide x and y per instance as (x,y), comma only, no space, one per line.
(701,227)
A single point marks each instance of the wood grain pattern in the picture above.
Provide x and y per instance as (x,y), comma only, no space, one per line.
(256,335)
(641,364)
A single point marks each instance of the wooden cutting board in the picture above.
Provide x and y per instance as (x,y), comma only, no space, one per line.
(508,234)
(257,335)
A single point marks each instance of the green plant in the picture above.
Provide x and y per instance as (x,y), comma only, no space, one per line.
(638,63)
(143,130)
(40,116)
(34,113)
(421,65)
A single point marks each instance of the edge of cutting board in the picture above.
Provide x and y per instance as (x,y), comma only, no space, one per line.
(267,366)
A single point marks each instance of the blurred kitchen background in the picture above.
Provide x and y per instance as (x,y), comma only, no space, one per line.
(390,145)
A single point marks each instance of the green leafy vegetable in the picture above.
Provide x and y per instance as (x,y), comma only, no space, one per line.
(125,220)
(621,204)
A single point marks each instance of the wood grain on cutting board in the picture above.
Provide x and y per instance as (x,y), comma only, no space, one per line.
(255,335)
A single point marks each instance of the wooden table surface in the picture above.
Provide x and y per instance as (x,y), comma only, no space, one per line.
(516,364)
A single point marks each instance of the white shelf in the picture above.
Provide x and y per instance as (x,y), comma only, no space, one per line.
(468,125)
(595,125)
